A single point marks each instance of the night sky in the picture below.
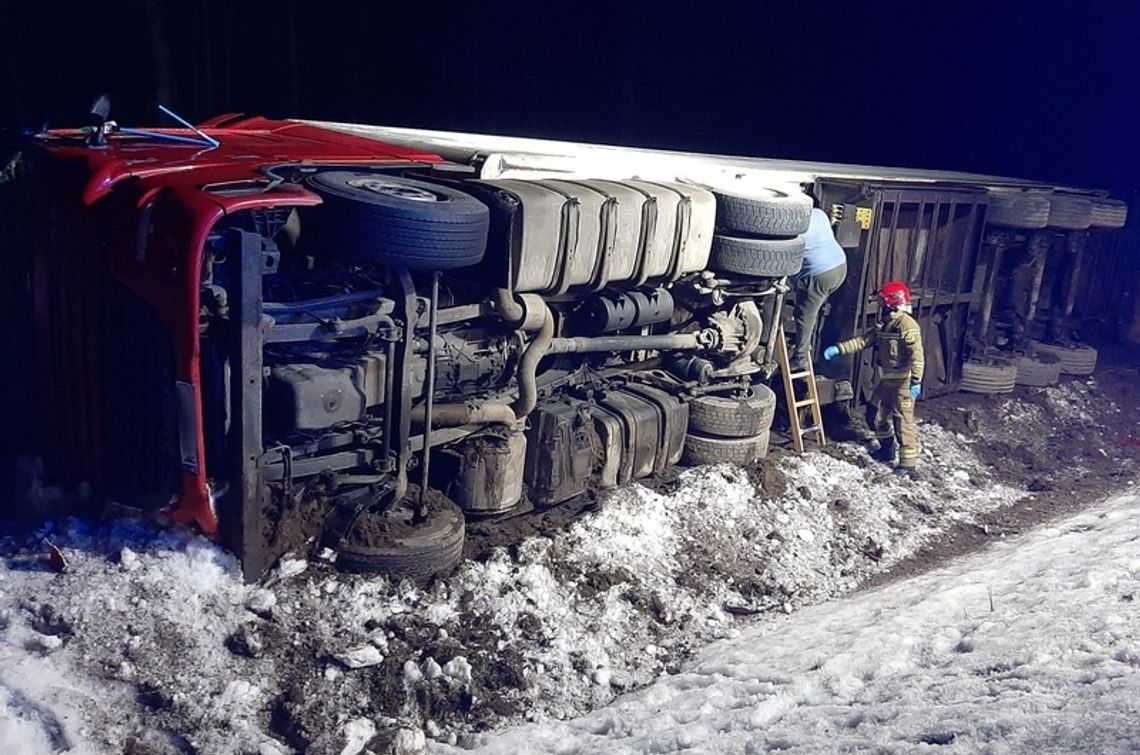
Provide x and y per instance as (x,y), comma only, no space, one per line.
(1047,90)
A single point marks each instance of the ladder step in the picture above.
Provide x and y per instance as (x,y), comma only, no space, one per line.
(795,406)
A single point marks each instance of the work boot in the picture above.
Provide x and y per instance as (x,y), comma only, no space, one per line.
(911,472)
(886,450)
(798,363)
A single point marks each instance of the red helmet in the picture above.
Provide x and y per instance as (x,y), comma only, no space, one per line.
(895,294)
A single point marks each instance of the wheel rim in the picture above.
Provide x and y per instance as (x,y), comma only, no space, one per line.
(391,189)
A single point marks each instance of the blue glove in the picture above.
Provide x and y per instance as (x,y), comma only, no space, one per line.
(831,352)
(915,391)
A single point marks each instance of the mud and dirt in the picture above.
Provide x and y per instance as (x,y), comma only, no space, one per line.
(388,524)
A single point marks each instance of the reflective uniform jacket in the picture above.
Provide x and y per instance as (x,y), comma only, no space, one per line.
(898,347)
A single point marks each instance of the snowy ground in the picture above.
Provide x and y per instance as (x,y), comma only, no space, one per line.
(1030,646)
(149,643)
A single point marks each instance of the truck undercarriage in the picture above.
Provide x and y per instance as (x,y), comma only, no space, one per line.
(548,366)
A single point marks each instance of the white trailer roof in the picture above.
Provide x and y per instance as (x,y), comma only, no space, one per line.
(520,157)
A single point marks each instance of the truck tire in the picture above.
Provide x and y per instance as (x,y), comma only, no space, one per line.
(1017,209)
(761,258)
(373,217)
(730,417)
(703,449)
(1039,370)
(389,543)
(1070,212)
(764,212)
(1076,359)
(1109,213)
(988,378)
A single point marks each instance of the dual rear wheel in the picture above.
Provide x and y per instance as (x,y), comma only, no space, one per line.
(730,428)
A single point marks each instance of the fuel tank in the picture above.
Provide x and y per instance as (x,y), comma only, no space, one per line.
(563,235)
(625,434)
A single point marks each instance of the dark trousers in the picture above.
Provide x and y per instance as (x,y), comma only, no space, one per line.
(811,294)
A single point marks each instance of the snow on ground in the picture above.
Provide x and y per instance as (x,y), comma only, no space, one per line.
(1068,400)
(629,592)
(80,647)
(149,643)
(1030,646)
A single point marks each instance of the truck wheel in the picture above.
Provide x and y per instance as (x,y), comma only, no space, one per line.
(728,417)
(762,258)
(373,217)
(392,543)
(1070,212)
(1040,370)
(1017,209)
(988,378)
(1076,359)
(764,212)
(703,449)
(1109,213)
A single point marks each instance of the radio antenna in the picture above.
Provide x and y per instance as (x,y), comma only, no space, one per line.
(205,137)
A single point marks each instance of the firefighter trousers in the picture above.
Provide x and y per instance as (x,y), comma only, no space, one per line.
(894,418)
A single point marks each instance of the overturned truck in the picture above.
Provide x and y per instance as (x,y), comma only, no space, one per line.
(288,333)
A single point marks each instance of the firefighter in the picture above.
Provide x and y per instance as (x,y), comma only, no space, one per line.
(897,340)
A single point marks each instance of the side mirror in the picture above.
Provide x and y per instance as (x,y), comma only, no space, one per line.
(97,118)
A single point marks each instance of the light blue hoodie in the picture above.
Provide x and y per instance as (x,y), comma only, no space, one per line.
(823,252)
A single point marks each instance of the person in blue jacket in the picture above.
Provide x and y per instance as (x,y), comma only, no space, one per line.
(824,270)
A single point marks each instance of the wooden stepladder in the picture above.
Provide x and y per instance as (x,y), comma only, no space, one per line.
(796,406)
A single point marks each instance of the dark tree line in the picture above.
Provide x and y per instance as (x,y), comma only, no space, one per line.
(977,86)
